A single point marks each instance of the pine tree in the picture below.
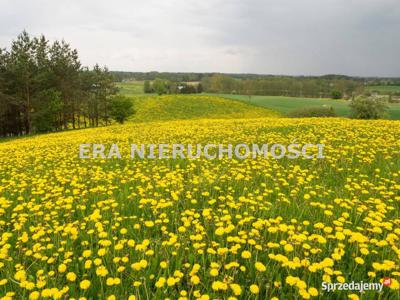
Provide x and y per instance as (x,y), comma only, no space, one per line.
(43,87)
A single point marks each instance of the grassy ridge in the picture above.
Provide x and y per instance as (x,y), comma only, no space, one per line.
(178,107)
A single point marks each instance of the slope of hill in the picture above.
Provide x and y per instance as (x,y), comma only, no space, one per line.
(54,204)
(178,107)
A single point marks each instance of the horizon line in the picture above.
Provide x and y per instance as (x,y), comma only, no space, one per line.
(263,74)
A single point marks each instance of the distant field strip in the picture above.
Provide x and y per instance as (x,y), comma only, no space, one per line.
(286,104)
(385,88)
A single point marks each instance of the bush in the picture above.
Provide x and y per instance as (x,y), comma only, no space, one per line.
(336,95)
(395,99)
(160,86)
(364,107)
(313,112)
(147,87)
(121,108)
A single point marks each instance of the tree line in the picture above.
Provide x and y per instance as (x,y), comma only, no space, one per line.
(326,86)
(191,76)
(162,86)
(44,87)
(170,76)
(316,87)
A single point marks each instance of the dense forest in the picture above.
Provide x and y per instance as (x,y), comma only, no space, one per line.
(43,87)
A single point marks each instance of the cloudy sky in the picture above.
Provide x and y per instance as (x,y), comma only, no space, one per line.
(308,37)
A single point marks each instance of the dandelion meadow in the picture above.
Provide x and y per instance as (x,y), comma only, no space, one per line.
(200,228)
(199,150)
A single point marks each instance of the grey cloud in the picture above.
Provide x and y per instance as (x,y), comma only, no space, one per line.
(354,37)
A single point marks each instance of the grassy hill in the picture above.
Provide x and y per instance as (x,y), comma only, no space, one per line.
(286,104)
(179,107)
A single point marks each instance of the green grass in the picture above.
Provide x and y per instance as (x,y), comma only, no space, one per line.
(286,104)
(385,88)
(394,111)
(131,88)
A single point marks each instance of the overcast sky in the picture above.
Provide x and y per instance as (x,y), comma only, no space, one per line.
(308,37)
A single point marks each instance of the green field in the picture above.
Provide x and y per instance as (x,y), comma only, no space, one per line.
(130,88)
(385,88)
(286,104)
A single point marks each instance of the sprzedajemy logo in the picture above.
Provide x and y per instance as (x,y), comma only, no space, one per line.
(356,286)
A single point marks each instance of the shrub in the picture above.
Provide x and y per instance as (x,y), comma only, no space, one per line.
(313,112)
(364,107)
(395,99)
(121,108)
(336,95)
(147,87)
(160,86)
